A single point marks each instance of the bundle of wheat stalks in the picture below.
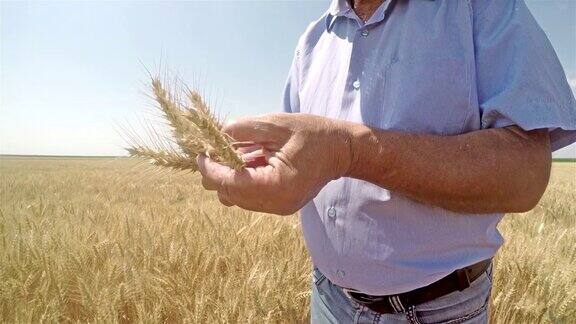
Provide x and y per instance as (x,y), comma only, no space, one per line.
(194,130)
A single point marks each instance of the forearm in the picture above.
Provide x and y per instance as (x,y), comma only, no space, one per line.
(495,170)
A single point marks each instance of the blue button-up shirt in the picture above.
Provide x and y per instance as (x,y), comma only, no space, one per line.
(419,66)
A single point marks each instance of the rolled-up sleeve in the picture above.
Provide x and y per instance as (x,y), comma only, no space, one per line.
(520,80)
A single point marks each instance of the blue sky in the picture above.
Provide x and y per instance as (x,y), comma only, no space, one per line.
(70,72)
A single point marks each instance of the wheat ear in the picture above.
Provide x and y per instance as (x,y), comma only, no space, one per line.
(166,159)
(194,129)
(219,144)
(183,131)
(198,103)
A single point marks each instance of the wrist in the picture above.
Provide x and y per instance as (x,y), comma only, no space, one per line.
(349,137)
(361,137)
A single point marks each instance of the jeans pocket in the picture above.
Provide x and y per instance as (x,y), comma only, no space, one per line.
(469,305)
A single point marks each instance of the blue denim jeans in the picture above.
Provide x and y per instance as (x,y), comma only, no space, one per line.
(329,304)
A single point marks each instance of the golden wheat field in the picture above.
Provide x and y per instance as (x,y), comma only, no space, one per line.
(104,240)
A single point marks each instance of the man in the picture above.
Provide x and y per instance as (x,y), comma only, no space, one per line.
(413,126)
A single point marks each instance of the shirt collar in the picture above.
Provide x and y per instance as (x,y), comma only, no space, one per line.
(342,7)
(337,8)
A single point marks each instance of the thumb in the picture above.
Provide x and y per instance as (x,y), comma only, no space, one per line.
(258,130)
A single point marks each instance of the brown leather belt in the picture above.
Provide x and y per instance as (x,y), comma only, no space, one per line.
(456,281)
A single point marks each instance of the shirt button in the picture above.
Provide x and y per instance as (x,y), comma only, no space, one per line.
(331,212)
(340,273)
(356,84)
(365,33)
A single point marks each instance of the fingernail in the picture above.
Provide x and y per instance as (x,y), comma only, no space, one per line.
(256,161)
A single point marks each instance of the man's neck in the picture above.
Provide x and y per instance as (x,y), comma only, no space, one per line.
(365,8)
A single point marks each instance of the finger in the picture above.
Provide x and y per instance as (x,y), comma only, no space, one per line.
(208,184)
(258,130)
(224,200)
(255,159)
(214,175)
(246,147)
(207,180)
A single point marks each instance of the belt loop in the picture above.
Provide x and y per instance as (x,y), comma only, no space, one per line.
(396,303)
(463,279)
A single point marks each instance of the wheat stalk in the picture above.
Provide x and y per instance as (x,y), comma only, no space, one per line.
(52,242)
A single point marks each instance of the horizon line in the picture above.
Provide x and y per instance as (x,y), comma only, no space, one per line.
(127,156)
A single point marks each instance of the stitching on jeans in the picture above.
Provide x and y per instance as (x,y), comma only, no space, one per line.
(411,315)
(321,293)
(471,315)
(358,314)
(468,316)
(376,318)
(355,312)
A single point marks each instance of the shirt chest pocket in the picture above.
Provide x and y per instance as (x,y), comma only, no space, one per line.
(427,96)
